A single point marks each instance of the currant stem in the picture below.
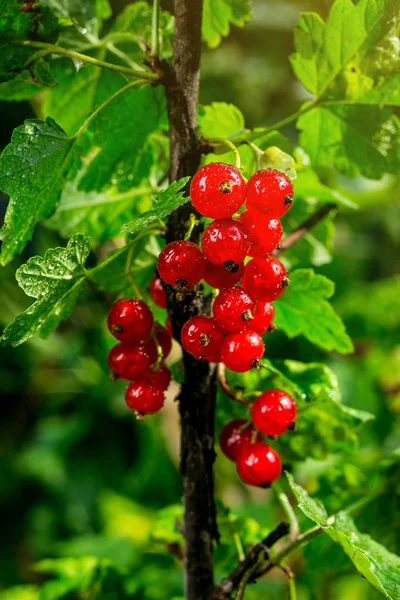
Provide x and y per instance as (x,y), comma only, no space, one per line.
(155,30)
(232,147)
(221,377)
(288,510)
(128,273)
(192,224)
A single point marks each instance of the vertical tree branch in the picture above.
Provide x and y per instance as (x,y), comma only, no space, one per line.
(197,398)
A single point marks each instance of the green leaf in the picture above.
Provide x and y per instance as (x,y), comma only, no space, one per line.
(165,203)
(56,280)
(32,168)
(165,526)
(41,158)
(20,592)
(87,14)
(324,425)
(379,566)
(309,185)
(304,309)
(351,66)
(220,120)
(218,16)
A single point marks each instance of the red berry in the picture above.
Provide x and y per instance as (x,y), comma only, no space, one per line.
(202,337)
(181,263)
(224,242)
(264,233)
(273,412)
(163,339)
(242,350)
(258,464)
(233,309)
(144,397)
(168,327)
(130,320)
(263,314)
(265,278)
(129,362)
(234,435)
(218,277)
(161,378)
(157,292)
(218,190)
(269,192)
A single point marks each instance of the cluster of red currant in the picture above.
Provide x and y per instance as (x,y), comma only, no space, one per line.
(138,358)
(241,315)
(272,413)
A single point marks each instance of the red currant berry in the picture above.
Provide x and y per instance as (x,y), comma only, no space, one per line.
(224,242)
(218,277)
(242,350)
(163,339)
(263,314)
(218,190)
(234,435)
(202,337)
(273,412)
(181,263)
(233,309)
(258,464)
(269,192)
(161,378)
(157,292)
(129,362)
(130,320)
(144,397)
(168,327)
(265,278)
(264,233)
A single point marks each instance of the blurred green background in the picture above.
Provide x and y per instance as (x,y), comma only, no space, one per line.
(79,476)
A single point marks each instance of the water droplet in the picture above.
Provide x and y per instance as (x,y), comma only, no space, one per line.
(78,64)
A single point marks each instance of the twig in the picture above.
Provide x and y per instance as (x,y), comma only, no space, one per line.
(232,582)
(221,377)
(304,228)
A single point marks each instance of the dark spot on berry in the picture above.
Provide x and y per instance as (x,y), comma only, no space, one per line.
(231,266)
(271,328)
(117,328)
(113,376)
(288,199)
(225,187)
(265,486)
(204,339)
(292,426)
(285,282)
(247,315)
(181,282)
(256,363)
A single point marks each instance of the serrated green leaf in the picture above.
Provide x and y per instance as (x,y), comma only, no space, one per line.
(218,15)
(379,566)
(304,309)
(87,14)
(324,425)
(56,280)
(165,203)
(351,65)
(32,168)
(41,158)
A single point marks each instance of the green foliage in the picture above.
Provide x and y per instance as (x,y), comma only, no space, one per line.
(304,309)
(218,15)
(341,62)
(56,280)
(379,566)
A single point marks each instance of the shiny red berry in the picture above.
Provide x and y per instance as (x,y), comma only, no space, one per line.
(264,233)
(157,292)
(234,435)
(130,320)
(218,277)
(181,263)
(265,278)
(233,309)
(129,362)
(242,350)
(202,337)
(269,192)
(263,314)
(168,327)
(161,378)
(163,339)
(273,412)
(258,464)
(225,242)
(144,397)
(218,190)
